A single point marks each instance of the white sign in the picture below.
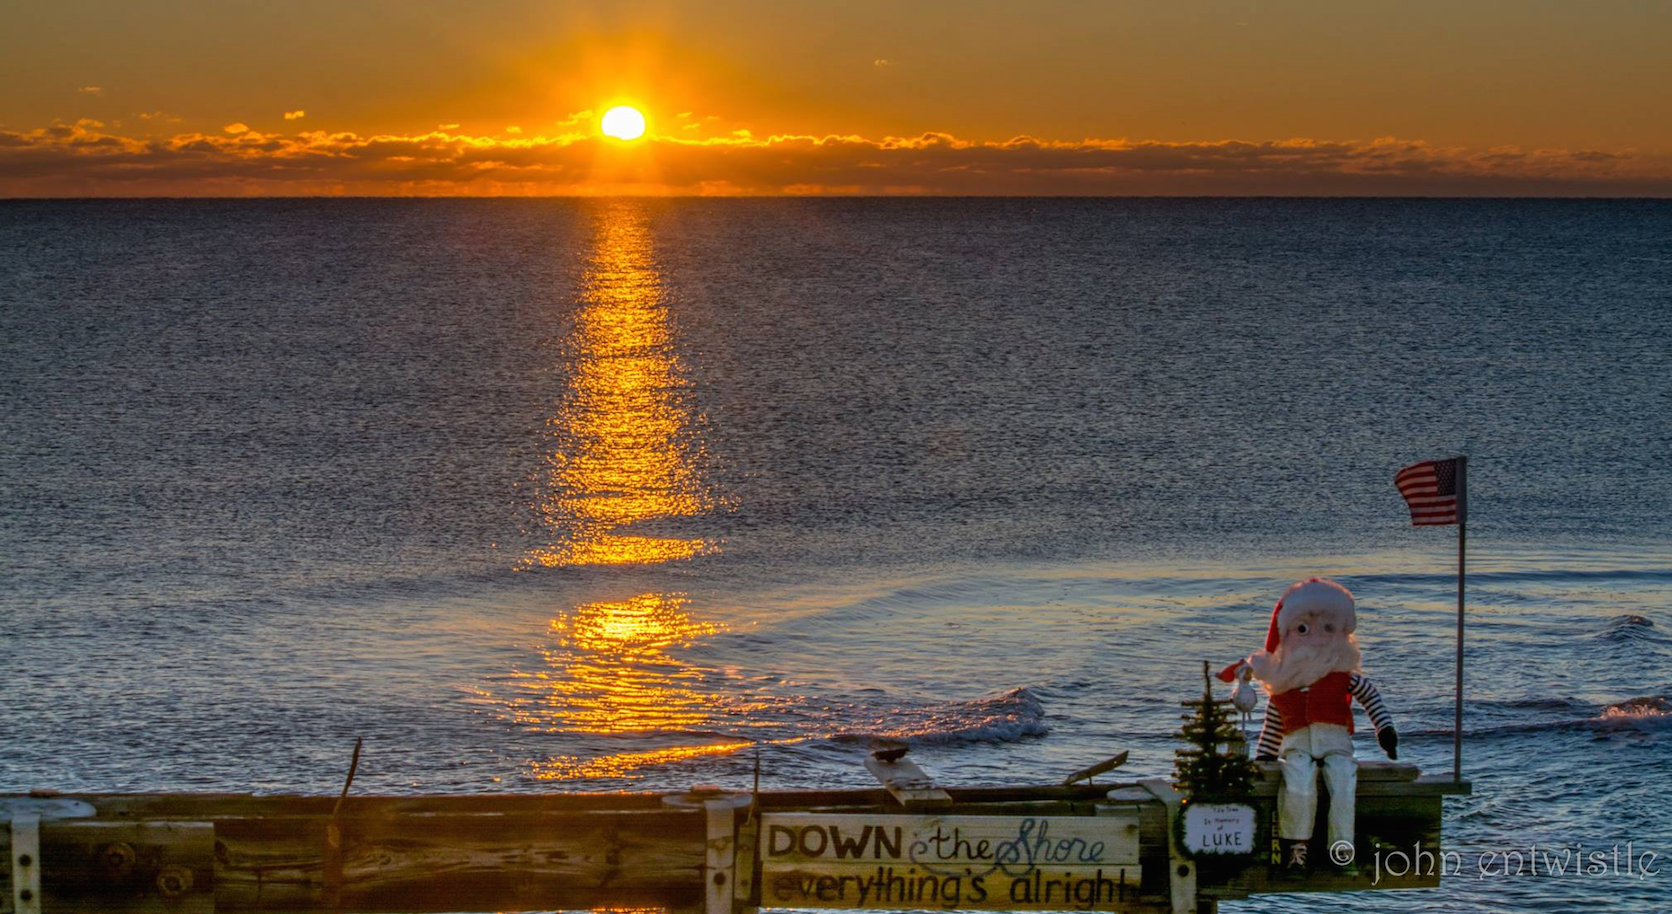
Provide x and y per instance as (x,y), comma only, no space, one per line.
(1218,828)
(813,860)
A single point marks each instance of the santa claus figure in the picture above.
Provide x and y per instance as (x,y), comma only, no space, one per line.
(1310,671)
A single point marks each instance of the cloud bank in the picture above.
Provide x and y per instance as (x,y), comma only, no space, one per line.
(84,159)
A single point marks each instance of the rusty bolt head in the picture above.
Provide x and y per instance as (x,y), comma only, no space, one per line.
(117,858)
(174,881)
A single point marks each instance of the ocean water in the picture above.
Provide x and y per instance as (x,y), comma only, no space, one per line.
(602,495)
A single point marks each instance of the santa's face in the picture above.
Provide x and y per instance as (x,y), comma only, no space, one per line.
(1313,628)
(1311,645)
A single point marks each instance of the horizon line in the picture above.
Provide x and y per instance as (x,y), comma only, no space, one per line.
(835,196)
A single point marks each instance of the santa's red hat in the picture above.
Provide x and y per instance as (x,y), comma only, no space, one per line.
(1320,596)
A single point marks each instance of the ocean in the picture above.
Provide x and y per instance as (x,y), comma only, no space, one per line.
(604,494)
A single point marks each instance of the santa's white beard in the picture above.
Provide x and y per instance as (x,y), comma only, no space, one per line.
(1300,665)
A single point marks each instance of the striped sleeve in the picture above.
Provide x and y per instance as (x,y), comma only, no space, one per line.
(1271,734)
(1365,691)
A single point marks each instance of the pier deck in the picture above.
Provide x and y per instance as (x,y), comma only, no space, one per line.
(220,852)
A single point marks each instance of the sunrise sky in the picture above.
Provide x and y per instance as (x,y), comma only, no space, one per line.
(505,97)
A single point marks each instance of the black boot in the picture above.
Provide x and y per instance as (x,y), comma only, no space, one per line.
(1343,860)
(1294,859)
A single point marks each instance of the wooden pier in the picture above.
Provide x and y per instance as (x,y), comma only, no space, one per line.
(905,844)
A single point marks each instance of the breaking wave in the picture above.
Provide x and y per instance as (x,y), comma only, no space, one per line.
(1631,627)
(1644,708)
(1005,717)
(1648,711)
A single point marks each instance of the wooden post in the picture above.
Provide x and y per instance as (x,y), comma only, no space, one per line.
(1181,870)
(720,861)
(333,853)
(743,878)
(1462,539)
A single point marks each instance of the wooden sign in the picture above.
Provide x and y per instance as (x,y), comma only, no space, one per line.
(1218,829)
(1009,863)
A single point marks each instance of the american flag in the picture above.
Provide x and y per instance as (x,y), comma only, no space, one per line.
(1430,489)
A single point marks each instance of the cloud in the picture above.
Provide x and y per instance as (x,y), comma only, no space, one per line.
(85,159)
(296,115)
(513,129)
(446,126)
(578,117)
(882,62)
(91,90)
(236,127)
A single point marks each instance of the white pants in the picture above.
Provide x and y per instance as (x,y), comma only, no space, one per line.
(1302,752)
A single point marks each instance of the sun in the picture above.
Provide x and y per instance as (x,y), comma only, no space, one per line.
(623,122)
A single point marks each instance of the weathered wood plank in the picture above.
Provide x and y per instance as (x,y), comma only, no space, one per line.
(991,862)
(1421,787)
(1091,771)
(872,886)
(220,806)
(120,867)
(1399,846)
(908,784)
(463,863)
(1380,770)
(937,841)
(1375,770)
(533,852)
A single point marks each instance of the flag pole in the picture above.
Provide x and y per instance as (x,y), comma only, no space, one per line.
(1462,539)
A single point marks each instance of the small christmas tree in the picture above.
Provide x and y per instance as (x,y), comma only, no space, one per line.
(1215,766)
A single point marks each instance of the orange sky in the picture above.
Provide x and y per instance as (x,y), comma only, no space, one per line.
(501,97)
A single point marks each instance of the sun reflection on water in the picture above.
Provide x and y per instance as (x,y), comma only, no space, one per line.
(625,764)
(621,452)
(622,455)
(606,670)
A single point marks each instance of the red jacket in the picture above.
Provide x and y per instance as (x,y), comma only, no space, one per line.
(1326,701)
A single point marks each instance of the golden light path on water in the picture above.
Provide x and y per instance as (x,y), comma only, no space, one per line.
(621,457)
(625,460)
(607,671)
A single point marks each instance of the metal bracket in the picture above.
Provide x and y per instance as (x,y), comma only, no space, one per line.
(26,863)
(46,808)
(26,815)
